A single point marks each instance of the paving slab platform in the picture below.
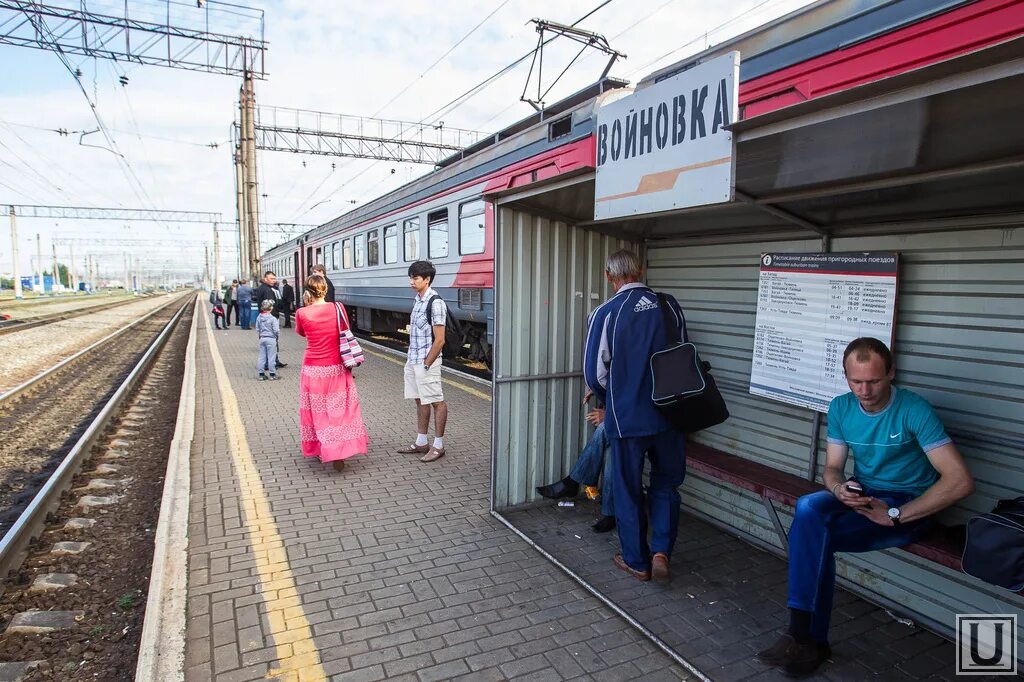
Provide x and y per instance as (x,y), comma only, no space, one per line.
(393,569)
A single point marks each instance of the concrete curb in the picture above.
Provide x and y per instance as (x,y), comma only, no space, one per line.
(162,649)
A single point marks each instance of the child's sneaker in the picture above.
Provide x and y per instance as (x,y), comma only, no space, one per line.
(274,377)
(263,377)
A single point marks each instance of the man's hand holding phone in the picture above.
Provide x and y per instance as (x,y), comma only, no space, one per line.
(852,494)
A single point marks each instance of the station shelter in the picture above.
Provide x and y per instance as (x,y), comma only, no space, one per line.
(927,163)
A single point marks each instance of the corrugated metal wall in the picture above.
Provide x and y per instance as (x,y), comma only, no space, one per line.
(959,343)
(549,277)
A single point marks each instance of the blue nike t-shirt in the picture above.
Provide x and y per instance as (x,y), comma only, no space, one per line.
(889,447)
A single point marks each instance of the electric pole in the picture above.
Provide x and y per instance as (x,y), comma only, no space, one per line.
(14,254)
(206,270)
(39,263)
(248,104)
(243,220)
(124,258)
(216,257)
(56,270)
(72,279)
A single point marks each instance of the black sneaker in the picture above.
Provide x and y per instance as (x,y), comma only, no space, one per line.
(263,377)
(778,653)
(556,491)
(604,524)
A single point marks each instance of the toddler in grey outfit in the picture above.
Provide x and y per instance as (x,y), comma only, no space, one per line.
(268,329)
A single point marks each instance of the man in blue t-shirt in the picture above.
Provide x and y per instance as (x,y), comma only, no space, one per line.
(905,470)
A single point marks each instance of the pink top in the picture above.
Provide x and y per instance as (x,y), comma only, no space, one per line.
(319,324)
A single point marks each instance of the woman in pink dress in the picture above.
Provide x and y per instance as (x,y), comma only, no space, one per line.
(330,420)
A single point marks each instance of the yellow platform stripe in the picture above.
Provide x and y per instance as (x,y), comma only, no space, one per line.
(468,389)
(298,659)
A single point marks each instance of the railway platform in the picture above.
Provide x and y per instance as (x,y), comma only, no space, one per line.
(394,569)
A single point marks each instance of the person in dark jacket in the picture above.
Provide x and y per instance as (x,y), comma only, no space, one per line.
(266,291)
(319,269)
(622,335)
(230,292)
(287,302)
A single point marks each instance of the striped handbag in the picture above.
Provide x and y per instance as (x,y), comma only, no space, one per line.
(348,346)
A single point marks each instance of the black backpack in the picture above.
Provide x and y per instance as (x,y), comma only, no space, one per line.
(994,550)
(453,337)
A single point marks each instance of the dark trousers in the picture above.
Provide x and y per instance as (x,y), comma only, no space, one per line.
(822,526)
(667,453)
(232,306)
(287,312)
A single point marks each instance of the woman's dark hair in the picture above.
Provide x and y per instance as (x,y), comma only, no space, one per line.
(424,269)
(316,286)
(862,349)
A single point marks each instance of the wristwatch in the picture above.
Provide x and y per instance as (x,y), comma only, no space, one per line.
(894,516)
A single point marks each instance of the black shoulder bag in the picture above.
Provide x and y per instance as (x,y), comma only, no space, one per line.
(684,389)
(994,550)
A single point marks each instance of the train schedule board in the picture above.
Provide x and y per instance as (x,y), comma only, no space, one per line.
(809,307)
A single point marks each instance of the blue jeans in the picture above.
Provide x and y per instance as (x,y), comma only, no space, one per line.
(667,452)
(245,313)
(588,468)
(268,356)
(822,526)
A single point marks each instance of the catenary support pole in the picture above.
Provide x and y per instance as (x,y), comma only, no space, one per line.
(14,255)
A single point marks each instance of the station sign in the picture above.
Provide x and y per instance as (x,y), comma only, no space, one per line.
(667,147)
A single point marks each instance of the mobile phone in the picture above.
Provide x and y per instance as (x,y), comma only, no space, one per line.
(854,488)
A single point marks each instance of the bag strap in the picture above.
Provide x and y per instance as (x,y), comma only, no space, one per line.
(337,312)
(669,319)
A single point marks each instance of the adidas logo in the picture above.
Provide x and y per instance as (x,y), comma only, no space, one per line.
(644,304)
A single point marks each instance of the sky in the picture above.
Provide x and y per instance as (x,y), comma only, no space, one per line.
(390,59)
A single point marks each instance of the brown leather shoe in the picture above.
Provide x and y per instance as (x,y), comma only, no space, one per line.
(414,450)
(433,455)
(642,576)
(660,572)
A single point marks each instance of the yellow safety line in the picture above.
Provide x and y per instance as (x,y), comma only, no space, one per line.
(298,659)
(456,384)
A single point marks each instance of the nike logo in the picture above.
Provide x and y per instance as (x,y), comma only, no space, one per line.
(895,435)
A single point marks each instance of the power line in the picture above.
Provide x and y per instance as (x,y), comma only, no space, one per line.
(439,59)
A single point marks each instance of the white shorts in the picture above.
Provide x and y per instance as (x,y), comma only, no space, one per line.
(423,384)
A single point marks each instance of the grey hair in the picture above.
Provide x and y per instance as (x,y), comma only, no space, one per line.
(267,304)
(624,264)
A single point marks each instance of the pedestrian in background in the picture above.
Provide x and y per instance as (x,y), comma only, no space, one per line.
(217,308)
(267,329)
(244,297)
(319,269)
(230,303)
(330,418)
(287,302)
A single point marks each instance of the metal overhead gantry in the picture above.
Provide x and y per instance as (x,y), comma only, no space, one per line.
(112,214)
(281,129)
(175,37)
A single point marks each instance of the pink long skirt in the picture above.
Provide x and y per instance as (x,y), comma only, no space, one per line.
(330,420)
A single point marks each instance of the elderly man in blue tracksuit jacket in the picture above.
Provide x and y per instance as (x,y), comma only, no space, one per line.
(622,335)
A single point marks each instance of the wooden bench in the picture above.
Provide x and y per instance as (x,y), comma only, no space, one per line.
(943,545)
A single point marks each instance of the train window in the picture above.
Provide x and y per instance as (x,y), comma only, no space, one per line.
(359,246)
(560,128)
(335,256)
(471,227)
(391,244)
(346,253)
(437,234)
(319,255)
(412,238)
(373,248)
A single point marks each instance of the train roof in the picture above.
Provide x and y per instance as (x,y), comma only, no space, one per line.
(819,28)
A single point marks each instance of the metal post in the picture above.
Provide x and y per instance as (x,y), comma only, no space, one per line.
(206,270)
(39,262)
(72,278)
(124,260)
(243,219)
(56,269)
(14,254)
(216,257)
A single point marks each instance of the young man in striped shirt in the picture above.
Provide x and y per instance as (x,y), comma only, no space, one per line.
(423,367)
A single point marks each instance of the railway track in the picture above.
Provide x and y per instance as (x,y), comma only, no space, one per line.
(15,325)
(54,420)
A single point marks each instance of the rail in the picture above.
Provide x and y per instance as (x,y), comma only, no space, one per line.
(9,326)
(21,533)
